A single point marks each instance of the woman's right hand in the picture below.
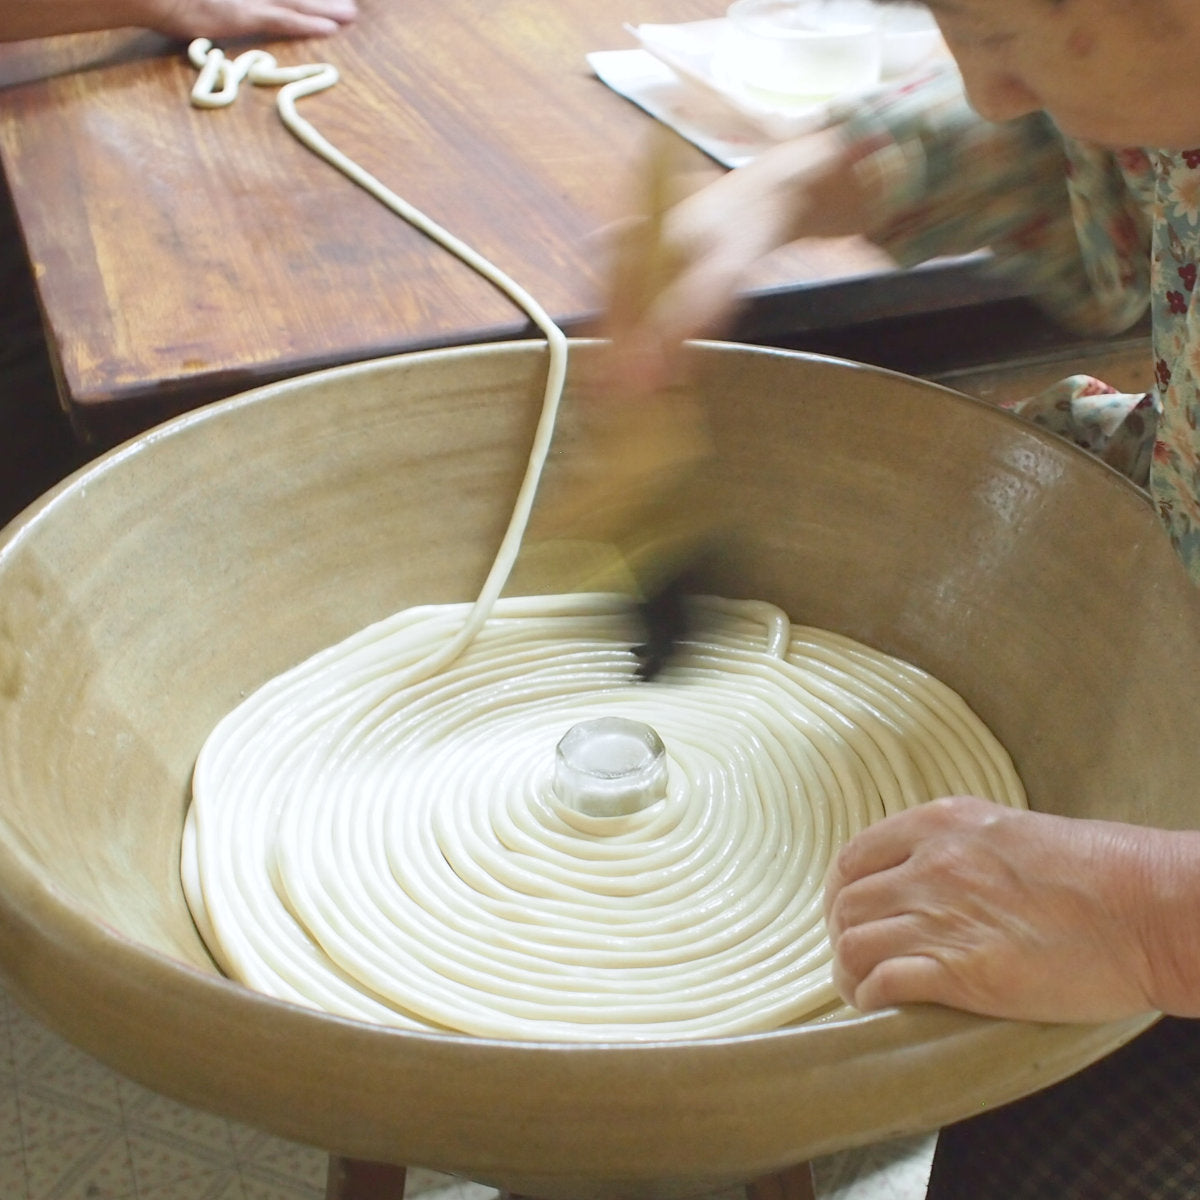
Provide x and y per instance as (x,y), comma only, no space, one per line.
(710,241)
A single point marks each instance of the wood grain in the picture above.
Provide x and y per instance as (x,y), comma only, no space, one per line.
(184,254)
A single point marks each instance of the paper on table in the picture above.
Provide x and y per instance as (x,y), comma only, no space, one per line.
(703,119)
(677,78)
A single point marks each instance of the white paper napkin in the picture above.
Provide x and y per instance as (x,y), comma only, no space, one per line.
(676,77)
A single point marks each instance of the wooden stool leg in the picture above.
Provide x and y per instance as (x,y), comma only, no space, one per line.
(796,1183)
(358,1179)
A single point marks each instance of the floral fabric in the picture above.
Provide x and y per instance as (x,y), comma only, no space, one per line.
(1117,427)
(1096,236)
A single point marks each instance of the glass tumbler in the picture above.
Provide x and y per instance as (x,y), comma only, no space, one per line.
(796,52)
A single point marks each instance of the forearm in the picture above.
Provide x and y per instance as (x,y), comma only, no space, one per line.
(44,18)
(1069,231)
(952,182)
(1163,891)
(176,18)
(812,188)
(711,240)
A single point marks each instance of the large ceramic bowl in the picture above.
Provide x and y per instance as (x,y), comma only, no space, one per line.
(141,599)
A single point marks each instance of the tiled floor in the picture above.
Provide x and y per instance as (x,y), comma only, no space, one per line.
(70,1129)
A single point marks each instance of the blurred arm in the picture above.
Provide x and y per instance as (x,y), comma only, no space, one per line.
(176,18)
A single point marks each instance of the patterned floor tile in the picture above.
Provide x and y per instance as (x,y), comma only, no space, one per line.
(419,1182)
(245,1139)
(229,1188)
(256,1189)
(430,1185)
(10,1123)
(158,1161)
(61,1071)
(12,1175)
(106,1176)
(49,1121)
(897,1170)
(168,1121)
(270,1159)
(89,1168)
(7,1065)
(29,1040)
(206,1185)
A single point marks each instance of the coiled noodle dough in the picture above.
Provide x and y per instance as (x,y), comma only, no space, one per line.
(388,845)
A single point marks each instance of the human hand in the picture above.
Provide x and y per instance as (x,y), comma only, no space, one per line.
(244,18)
(1015,914)
(708,242)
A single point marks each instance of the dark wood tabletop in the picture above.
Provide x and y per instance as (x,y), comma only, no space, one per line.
(184,254)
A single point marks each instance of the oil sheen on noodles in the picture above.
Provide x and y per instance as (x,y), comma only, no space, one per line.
(386,844)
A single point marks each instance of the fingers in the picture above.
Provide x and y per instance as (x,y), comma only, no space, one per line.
(695,297)
(648,354)
(298,18)
(891,840)
(899,958)
(676,269)
(244,18)
(642,361)
(877,848)
(342,11)
(880,948)
(907,979)
(711,239)
(896,908)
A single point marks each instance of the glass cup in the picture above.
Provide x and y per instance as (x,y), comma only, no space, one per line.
(790,53)
(610,767)
(910,38)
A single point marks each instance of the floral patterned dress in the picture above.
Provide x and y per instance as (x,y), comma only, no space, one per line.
(1096,236)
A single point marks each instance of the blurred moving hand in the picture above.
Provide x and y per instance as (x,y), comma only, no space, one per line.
(708,242)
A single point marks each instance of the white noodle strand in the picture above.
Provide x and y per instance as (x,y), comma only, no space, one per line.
(412,842)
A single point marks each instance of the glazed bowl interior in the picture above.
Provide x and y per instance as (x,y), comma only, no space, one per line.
(145,596)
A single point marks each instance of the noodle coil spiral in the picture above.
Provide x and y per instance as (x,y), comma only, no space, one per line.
(389,845)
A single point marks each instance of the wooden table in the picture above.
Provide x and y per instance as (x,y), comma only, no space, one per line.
(182,254)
